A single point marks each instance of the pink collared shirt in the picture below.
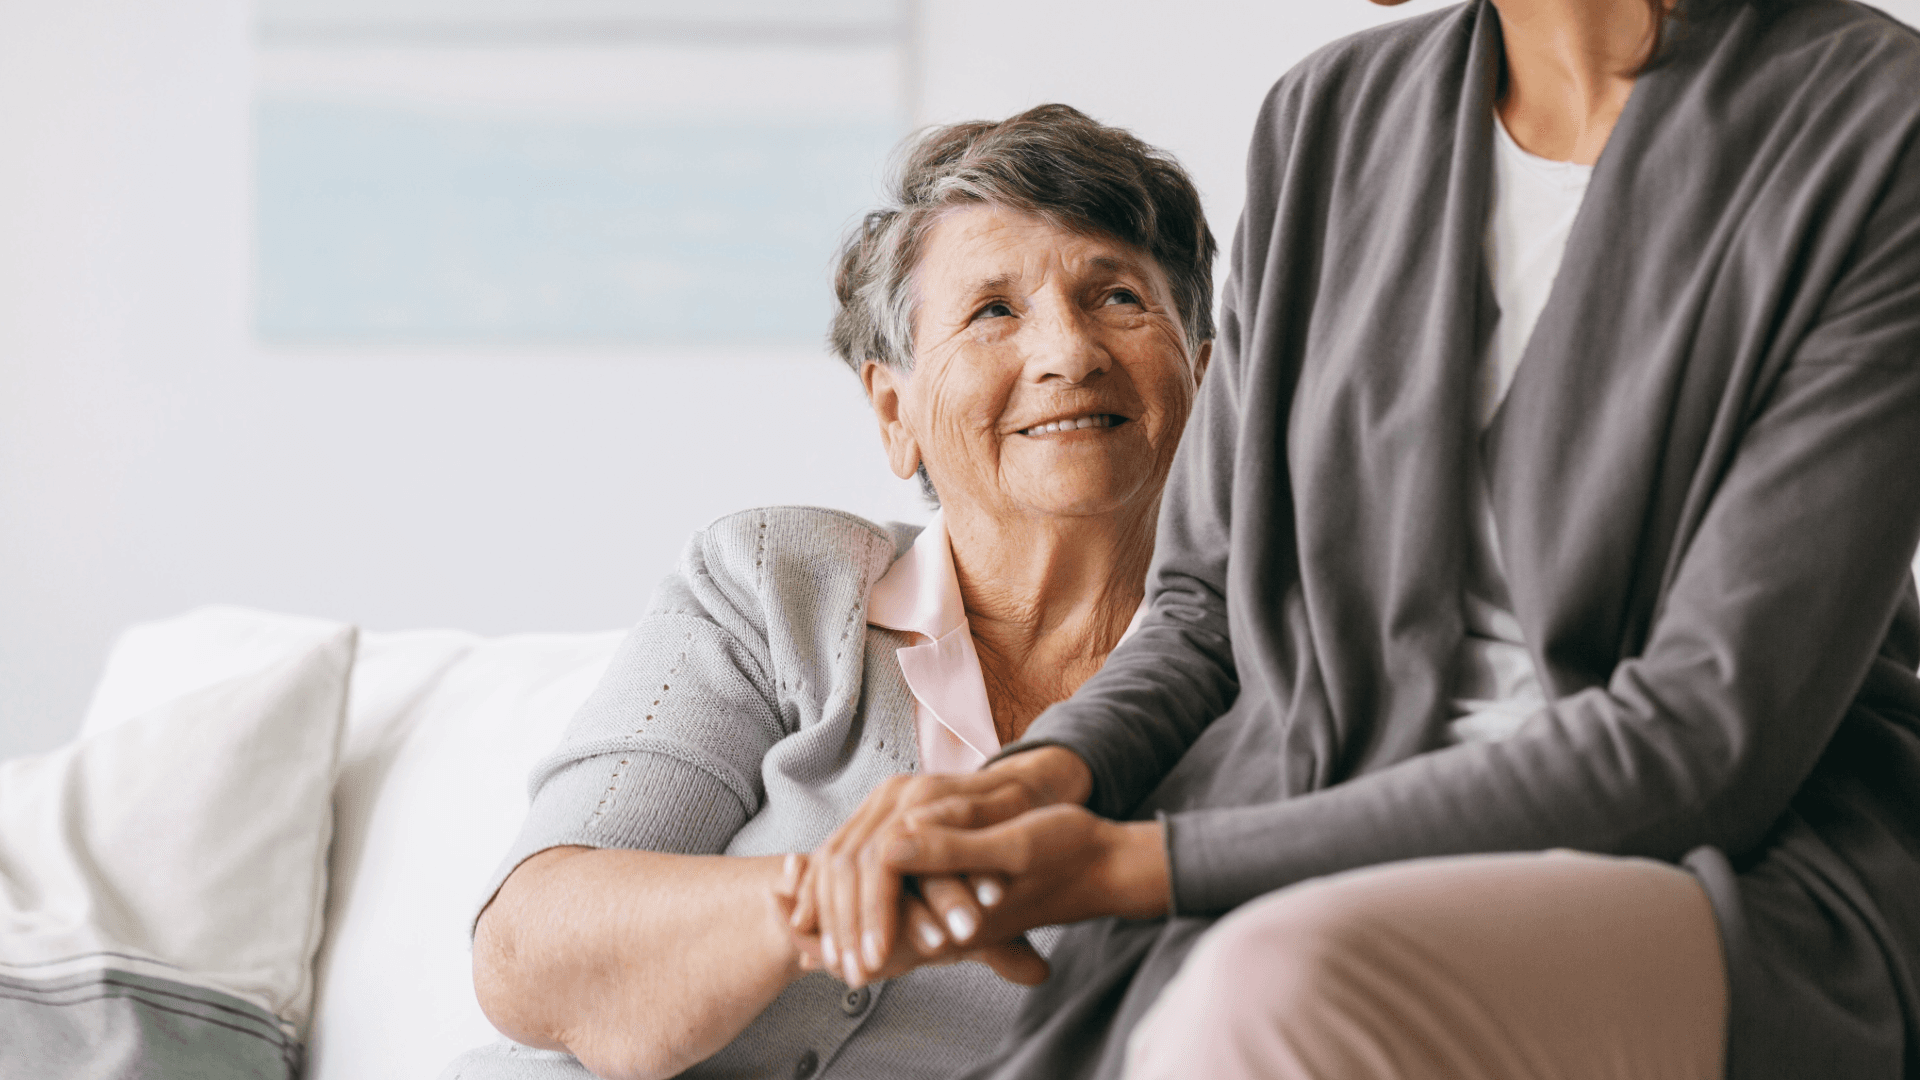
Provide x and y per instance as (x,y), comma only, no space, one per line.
(920,594)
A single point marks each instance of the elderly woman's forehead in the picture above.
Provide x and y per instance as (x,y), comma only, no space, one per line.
(1027,242)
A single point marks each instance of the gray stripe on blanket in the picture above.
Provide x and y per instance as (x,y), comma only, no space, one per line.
(114,1025)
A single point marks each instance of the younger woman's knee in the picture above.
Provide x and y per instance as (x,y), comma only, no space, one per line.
(1275,990)
(1287,958)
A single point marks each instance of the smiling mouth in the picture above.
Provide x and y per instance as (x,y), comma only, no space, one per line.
(1076,423)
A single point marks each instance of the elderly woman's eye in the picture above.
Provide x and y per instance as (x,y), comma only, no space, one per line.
(1123,296)
(999,309)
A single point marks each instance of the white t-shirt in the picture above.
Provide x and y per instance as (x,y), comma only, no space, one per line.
(1534,204)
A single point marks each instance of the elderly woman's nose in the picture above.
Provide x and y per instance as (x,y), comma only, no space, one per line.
(1065,347)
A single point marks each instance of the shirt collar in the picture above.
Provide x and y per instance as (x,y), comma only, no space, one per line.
(920,593)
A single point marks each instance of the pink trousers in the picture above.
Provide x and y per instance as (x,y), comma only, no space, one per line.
(1554,966)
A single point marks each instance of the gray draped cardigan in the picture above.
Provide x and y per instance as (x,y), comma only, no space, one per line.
(1706,481)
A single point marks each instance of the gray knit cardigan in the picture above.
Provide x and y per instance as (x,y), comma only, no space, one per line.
(749,713)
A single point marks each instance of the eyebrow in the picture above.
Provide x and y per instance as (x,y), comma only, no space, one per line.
(1107,263)
(1117,266)
(994,284)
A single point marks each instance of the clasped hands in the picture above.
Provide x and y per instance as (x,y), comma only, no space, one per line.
(938,869)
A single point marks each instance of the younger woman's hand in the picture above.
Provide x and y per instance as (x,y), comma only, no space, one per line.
(851,900)
(1059,864)
(922,943)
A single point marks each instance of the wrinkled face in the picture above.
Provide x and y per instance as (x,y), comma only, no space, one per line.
(1051,373)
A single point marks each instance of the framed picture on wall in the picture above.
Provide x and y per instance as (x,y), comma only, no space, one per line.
(565,173)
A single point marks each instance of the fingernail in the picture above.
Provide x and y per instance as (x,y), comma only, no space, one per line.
(807,962)
(852,971)
(826,947)
(870,945)
(988,892)
(790,868)
(931,936)
(960,921)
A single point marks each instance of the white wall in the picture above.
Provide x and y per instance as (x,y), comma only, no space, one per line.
(152,458)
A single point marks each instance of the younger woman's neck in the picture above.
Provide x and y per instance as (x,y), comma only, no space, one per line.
(1570,69)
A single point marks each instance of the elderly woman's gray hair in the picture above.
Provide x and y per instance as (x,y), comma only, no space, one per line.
(1053,162)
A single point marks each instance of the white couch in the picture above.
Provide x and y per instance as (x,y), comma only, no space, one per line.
(442,729)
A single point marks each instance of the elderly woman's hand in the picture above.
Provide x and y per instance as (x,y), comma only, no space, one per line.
(852,899)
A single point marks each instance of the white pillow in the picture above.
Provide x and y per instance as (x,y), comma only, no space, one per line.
(162,880)
(153,663)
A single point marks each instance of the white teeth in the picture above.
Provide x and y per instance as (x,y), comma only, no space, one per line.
(1100,421)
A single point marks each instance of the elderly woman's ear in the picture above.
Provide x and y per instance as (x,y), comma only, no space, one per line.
(883,390)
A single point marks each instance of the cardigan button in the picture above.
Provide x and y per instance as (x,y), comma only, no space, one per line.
(808,1064)
(855,1002)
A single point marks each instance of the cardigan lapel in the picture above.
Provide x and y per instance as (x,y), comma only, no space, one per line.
(1579,441)
(1692,272)
(1384,405)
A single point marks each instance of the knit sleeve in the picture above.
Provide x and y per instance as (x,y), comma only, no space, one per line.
(665,754)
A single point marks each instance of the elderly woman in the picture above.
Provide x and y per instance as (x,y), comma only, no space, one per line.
(1555,488)
(1031,319)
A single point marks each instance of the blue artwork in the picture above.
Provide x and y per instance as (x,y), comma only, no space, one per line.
(384,225)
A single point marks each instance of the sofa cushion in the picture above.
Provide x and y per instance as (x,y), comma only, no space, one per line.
(443,730)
